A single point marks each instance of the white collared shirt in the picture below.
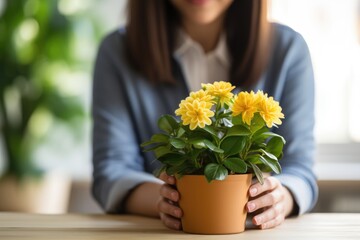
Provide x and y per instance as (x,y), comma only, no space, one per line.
(200,67)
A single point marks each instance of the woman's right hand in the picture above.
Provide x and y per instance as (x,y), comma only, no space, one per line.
(169,210)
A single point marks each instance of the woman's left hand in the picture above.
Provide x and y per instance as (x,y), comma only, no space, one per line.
(273,202)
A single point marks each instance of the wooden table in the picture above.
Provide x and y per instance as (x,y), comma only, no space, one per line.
(30,226)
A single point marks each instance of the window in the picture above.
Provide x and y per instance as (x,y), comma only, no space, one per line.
(332,31)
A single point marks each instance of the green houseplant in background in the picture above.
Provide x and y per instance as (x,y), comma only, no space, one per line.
(37,57)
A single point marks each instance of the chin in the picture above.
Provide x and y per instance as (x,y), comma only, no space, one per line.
(202,19)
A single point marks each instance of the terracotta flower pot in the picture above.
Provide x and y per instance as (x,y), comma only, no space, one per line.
(213,208)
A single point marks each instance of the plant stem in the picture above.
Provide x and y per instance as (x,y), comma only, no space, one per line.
(247,147)
(218,107)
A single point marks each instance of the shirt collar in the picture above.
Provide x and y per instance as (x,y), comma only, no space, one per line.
(184,44)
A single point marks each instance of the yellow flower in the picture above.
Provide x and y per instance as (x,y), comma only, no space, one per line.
(260,95)
(195,113)
(245,104)
(222,90)
(182,109)
(270,111)
(201,95)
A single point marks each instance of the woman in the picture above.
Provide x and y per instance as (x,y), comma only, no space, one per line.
(167,50)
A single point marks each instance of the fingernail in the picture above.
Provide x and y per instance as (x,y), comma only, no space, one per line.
(176,225)
(251,207)
(177,213)
(253,191)
(174,196)
(258,220)
(170,180)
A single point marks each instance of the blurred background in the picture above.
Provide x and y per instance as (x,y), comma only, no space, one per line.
(47,52)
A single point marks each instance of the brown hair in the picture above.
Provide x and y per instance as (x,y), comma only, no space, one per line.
(151,31)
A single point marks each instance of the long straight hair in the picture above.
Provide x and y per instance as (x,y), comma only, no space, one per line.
(151,30)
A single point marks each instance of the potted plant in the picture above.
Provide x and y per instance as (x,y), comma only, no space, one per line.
(35,40)
(221,141)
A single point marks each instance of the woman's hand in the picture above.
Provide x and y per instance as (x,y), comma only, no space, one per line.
(168,208)
(273,202)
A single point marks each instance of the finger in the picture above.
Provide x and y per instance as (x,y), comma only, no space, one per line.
(269,215)
(273,223)
(170,222)
(266,200)
(168,192)
(167,208)
(166,178)
(270,183)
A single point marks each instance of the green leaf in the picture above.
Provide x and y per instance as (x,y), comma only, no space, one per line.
(266,135)
(194,154)
(237,130)
(180,132)
(212,146)
(161,151)
(154,147)
(256,146)
(162,138)
(233,145)
(197,142)
(257,173)
(210,130)
(269,155)
(214,171)
(177,143)
(224,115)
(144,144)
(172,170)
(254,159)
(173,159)
(257,137)
(168,123)
(180,170)
(273,164)
(204,143)
(275,146)
(236,165)
(237,120)
(264,168)
(256,123)
(156,138)
(199,145)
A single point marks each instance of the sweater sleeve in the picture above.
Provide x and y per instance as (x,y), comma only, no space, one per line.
(118,165)
(297,101)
